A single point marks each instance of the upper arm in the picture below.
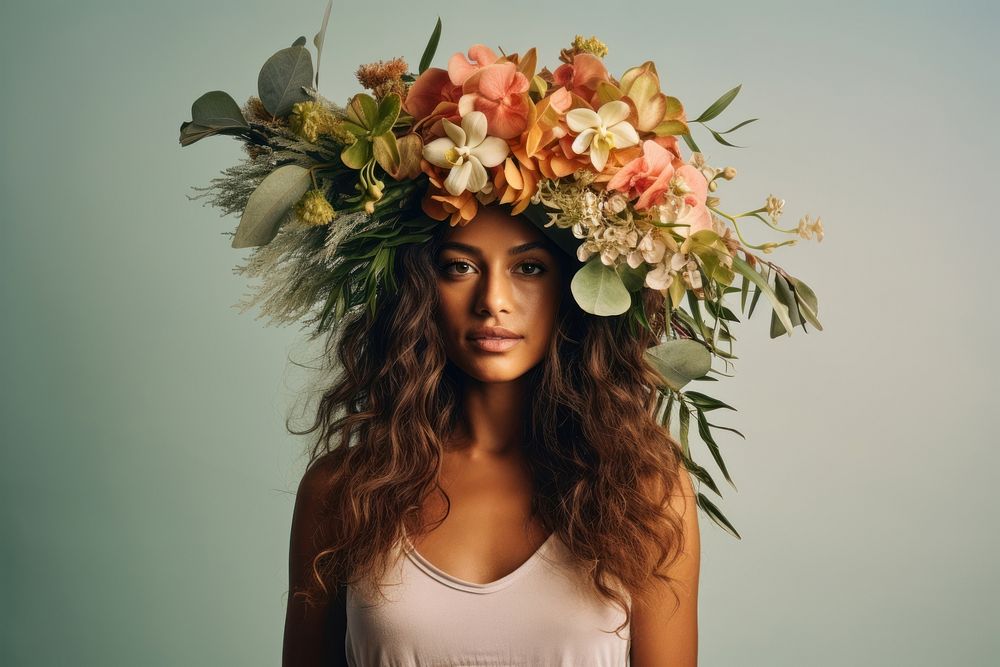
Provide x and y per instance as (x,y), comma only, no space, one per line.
(664,631)
(309,637)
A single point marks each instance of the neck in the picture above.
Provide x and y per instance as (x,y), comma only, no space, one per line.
(492,422)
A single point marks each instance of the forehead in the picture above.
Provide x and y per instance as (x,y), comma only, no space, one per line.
(494,228)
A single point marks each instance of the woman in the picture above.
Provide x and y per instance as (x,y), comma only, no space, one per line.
(517,490)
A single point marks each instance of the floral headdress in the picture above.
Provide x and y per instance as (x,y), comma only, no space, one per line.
(327,194)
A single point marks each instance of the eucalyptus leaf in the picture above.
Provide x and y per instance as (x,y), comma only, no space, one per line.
(599,290)
(784,292)
(808,303)
(319,38)
(281,79)
(215,112)
(301,41)
(634,279)
(718,106)
(431,48)
(269,203)
(740,266)
(679,361)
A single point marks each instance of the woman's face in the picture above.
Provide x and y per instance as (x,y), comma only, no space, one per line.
(497,271)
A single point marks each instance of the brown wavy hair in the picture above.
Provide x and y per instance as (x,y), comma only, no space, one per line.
(395,391)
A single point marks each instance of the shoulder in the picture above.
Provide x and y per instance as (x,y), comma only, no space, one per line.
(665,622)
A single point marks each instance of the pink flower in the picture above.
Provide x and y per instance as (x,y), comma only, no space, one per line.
(500,92)
(690,184)
(582,76)
(460,69)
(647,176)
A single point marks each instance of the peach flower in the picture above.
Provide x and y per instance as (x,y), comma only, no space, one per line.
(582,76)
(499,91)
(431,98)
(460,69)
(647,176)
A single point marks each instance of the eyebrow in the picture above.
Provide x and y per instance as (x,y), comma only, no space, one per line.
(513,250)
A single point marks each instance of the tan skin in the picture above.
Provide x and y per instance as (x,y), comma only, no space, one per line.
(498,273)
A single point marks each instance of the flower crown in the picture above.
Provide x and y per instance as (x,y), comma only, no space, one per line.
(328,193)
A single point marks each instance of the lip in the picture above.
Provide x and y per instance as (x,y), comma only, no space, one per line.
(494,339)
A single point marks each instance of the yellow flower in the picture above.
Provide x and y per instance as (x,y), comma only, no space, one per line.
(592,45)
(314,209)
(309,119)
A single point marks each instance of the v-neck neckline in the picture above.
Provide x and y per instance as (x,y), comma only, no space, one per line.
(471,586)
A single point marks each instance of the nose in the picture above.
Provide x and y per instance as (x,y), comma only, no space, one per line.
(493,294)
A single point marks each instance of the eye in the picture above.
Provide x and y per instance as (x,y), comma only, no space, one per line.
(540,268)
(457,262)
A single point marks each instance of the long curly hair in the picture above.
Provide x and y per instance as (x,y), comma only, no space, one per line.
(593,443)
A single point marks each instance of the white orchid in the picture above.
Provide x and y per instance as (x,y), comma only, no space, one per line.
(650,249)
(660,277)
(601,131)
(466,151)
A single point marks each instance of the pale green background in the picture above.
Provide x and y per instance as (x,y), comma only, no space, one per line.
(146,475)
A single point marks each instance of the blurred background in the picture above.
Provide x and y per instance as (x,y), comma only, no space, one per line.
(146,472)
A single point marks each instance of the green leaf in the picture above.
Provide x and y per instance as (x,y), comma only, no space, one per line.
(753,301)
(219,111)
(736,127)
(713,447)
(386,152)
(679,361)
(740,266)
(784,292)
(718,106)
(635,278)
(215,112)
(701,474)
(808,304)
(715,515)
(357,154)
(718,137)
(301,41)
(744,288)
(388,112)
(599,290)
(363,110)
(280,82)
(689,140)
(706,402)
(684,412)
(431,48)
(269,203)
(320,37)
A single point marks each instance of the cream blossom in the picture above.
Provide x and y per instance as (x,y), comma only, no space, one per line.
(601,131)
(466,151)
(660,277)
(650,249)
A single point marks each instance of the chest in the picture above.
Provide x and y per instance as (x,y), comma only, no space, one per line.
(488,529)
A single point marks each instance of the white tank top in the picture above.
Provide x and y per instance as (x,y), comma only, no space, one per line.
(542,614)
